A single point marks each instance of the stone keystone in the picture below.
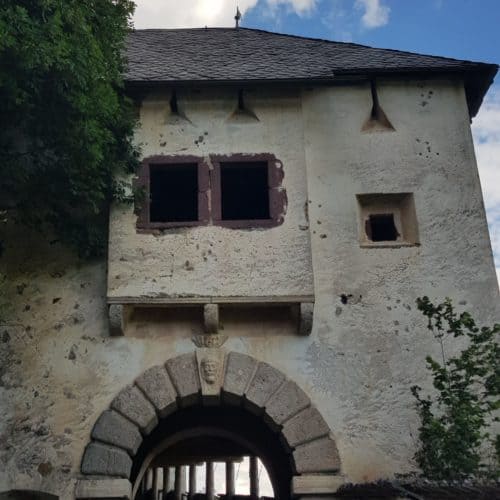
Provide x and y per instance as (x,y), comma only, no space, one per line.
(132,404)
(157,386)
(104,460)
(112,428)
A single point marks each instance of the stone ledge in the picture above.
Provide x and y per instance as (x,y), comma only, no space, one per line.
(316,484)
(103,488)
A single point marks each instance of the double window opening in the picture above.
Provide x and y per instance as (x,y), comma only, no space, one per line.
(233,191)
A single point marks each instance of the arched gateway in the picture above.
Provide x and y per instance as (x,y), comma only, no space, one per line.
(206,404)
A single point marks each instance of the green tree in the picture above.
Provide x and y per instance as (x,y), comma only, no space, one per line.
(66,125)
(456,421)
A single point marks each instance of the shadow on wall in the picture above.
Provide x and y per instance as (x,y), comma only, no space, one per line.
(26,495)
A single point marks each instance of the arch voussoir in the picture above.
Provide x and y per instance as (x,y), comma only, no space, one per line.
(305,426)
(156,385)
(119,431)
(106,460)
(112,428)
(240,369)
(265,382)
(289,400)
(183,372)
(132,403)
(319,456)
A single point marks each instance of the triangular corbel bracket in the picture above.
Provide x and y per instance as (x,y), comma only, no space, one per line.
(175,113)
(242,113)
(377,121)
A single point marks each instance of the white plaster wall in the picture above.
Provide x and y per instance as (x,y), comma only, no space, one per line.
(211,260)
(60,369)
(368,353)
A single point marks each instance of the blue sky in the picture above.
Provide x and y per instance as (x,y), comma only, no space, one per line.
(464,29)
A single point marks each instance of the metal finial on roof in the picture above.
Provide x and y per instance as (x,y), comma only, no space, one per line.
(237,17)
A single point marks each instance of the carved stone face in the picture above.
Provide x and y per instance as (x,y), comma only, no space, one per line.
(209,370)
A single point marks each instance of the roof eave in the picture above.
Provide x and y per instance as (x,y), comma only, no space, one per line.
(477,80)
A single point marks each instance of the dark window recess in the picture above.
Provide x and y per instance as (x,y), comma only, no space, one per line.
(244,191)
(381,227)
(173,193)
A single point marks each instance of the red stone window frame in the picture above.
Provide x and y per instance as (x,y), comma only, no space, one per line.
(209,191)
(144,223)
(277,195)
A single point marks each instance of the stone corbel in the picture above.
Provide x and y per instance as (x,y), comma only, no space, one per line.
(118,316)
(211,318)
(304,313)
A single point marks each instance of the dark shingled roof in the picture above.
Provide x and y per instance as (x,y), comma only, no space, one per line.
(229,55)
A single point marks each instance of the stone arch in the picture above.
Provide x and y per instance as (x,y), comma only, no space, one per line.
(215,377)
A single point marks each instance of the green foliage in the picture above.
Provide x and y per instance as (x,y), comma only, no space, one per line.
(455,422)
(65,126)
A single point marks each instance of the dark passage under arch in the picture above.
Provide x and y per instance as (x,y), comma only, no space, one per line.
(191,432)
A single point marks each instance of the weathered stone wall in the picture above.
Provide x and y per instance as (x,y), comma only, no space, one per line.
(60,369)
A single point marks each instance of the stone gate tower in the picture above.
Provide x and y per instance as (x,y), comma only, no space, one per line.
(257,303)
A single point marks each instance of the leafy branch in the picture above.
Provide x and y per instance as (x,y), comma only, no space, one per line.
(455,423)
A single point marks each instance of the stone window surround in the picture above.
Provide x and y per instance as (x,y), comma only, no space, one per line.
(401,206)
(209,191)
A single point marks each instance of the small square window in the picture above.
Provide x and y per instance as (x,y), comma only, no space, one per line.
(381,227)
(244,191)
(173,193)
(387,220)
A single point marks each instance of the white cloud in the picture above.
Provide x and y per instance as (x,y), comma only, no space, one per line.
(300,7)
(200,13)
(375,13)
(486,131)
